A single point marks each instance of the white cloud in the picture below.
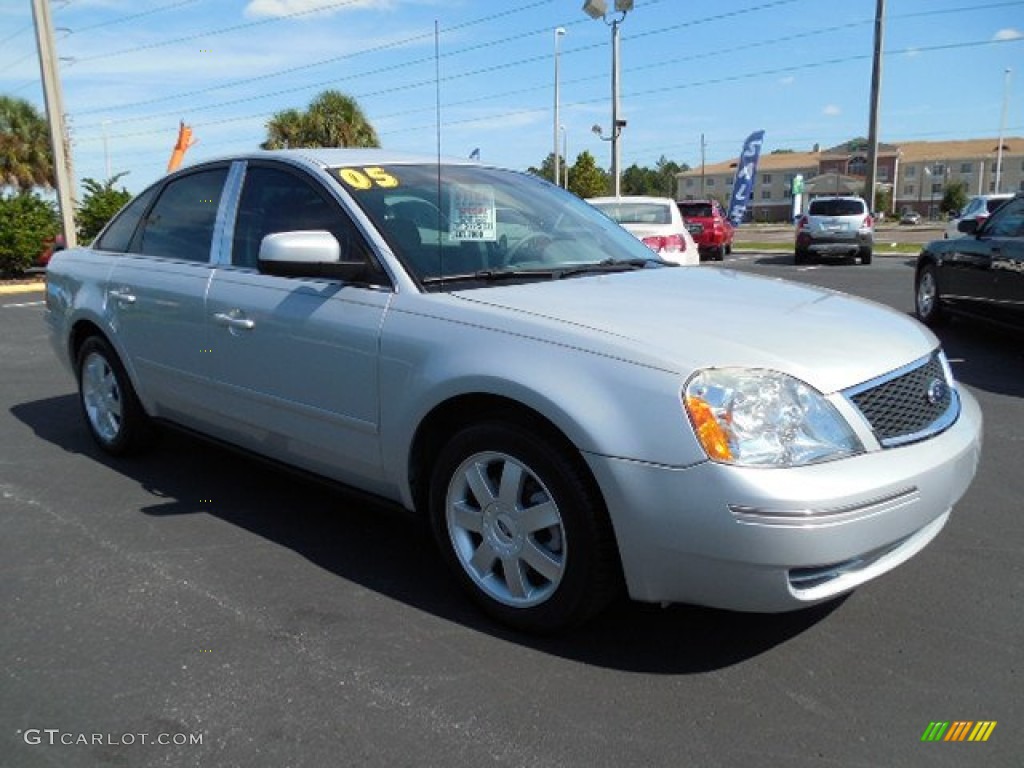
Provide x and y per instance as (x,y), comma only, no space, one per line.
(1008,33)
(317,7)
(831,110)
(912,53)
(788,80)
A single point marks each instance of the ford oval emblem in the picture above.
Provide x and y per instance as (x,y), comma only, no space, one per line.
(936,391)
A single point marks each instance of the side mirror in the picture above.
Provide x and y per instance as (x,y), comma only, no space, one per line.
(310,253)
(967,226)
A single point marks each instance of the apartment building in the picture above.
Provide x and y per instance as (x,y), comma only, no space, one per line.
(916,173)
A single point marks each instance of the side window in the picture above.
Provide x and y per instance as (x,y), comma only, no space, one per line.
(274,200)
(180,225)
(118,235)
(1007,221)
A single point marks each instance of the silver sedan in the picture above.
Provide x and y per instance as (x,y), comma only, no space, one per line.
(576,417)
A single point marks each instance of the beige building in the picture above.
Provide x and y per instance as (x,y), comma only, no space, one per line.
(917,172)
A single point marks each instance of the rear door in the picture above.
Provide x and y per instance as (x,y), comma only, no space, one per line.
(157,291)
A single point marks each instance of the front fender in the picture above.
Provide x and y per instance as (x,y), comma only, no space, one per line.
(604,404)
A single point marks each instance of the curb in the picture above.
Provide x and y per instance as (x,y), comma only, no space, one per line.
(22,288)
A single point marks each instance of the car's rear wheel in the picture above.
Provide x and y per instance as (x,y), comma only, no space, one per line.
(865,255)
(801,256)
(112,411)
(927,299)
(523,527)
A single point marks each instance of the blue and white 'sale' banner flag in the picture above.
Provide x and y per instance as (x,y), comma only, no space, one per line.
(746,171)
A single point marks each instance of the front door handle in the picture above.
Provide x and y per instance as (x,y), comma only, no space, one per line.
(123,296)
(233,321)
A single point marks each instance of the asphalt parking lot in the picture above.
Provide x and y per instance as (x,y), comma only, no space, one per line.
(196,595)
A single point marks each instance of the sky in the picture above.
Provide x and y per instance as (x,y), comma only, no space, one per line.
(798,69)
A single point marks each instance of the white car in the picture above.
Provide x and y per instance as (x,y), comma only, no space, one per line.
(574,416)
(978,208)
(654,220)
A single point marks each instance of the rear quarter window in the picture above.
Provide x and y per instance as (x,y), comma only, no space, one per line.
(118,235)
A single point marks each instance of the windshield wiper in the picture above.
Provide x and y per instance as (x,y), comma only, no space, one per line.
(495,275)
(490,275)
(613,265)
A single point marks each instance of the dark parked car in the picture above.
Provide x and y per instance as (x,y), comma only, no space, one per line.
(980,275)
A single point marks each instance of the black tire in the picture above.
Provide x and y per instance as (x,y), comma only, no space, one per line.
(112,411)
(927,298)
(801,256)
(720,253)
(523,527)
(865,255)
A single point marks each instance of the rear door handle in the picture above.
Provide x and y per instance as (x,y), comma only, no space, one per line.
(232,321)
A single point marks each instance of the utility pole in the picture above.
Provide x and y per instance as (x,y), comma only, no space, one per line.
(63,175)
(703,146)
(876,90)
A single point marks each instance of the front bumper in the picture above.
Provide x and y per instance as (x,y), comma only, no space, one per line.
(771,540)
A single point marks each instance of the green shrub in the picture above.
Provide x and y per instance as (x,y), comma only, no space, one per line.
(26,222)
(100,203)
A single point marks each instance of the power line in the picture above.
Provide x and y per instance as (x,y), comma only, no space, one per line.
(483,45)
(335,59)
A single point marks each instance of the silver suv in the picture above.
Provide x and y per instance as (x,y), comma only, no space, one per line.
(835,226)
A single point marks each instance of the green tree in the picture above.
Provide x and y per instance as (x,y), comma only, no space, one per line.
(99,204)
(547,168)
(637,180)
(26,222)
(954,197)
(331,120)
(667,170)
(26,158)
(586,179)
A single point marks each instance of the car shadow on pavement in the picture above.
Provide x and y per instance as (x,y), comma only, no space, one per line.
(383,548)
(985,356)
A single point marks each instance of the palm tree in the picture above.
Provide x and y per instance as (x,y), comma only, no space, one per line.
(284,130)
(26,159)
(332,120)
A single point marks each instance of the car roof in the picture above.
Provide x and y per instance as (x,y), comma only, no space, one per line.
(329,157)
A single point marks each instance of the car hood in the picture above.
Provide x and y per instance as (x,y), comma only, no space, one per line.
(684,320)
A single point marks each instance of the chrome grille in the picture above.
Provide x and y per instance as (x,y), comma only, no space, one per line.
(909,404)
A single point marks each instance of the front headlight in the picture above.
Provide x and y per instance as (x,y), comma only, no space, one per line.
(760,418)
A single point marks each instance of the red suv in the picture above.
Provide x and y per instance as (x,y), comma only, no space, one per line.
(710,229)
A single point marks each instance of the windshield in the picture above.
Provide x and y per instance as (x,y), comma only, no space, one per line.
(480,222)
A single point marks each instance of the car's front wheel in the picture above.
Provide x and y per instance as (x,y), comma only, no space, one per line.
(523,527)
(927,299)
(111,408)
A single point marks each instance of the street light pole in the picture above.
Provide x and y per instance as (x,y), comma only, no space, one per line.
(559,31)
(1002,130)
(598,9)
(615,105)
(565,154)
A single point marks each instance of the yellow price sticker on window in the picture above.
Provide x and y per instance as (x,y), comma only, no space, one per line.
(367,178)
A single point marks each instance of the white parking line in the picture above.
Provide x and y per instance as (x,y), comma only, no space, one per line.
(23,304)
